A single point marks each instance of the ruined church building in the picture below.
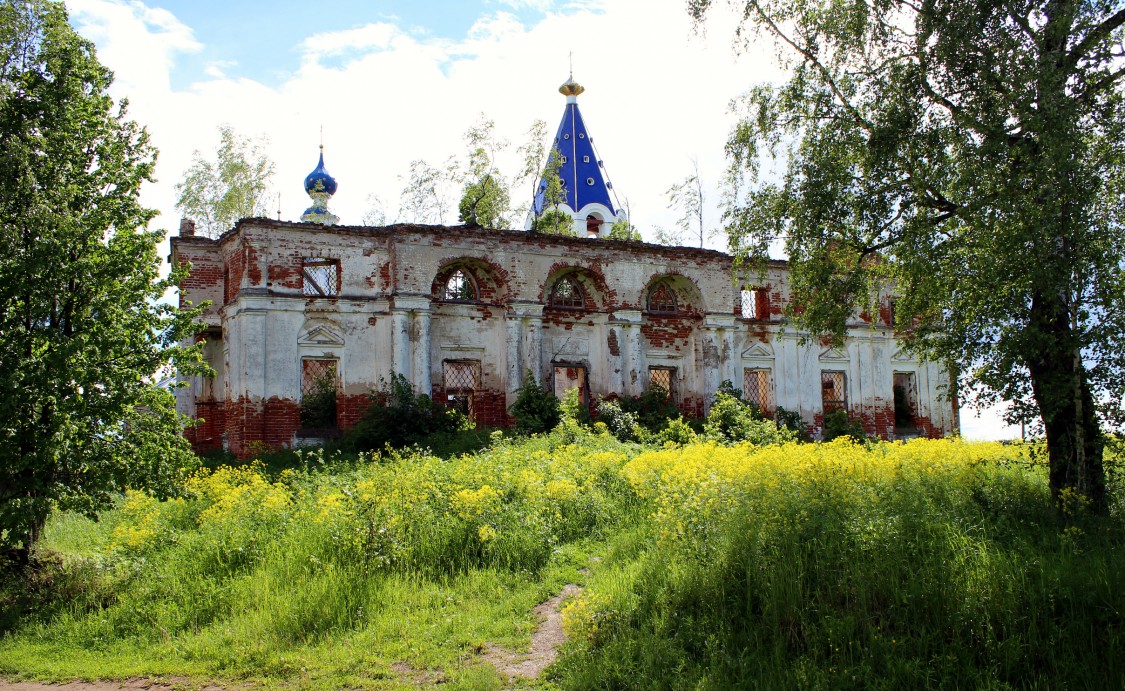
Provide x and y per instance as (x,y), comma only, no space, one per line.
(301,309)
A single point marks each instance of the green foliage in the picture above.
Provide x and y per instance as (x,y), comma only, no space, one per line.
(622,229)
(654,408)
(400,417)
(688,198)
(678,432)
(485,200)
(554,222)
(536,409)
(573,408)
(732,421)
(318,407)
(930,564)
(623,425)
(235,185)
(484,203)
(792,421)
(424,199)
(552,219)
(839,423)
(84,328)
(973,157)
(364,558)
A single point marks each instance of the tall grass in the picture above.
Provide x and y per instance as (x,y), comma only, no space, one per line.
(253,567)
(927,564)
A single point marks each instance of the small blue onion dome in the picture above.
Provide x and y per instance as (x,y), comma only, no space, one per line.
(319,180)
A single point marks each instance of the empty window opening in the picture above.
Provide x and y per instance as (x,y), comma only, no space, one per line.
(318,393)
(662,379)
(906,399)
(320,276)
(462,381)
(585,159)
(459,287)
(566,136)
(662,299)
(567,294)
(226,284)
(755,303)
(564,159)
(833,391)
(589,181)
(569,377)
(891,308)
(593,226)
(757,387)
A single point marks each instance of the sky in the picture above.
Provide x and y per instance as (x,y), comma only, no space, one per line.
(392,81)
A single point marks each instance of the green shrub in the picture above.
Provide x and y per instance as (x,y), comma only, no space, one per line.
(654,408)
(536,409)
(839,423)
(573,408)
(678,432)
(625,426)
(732,421)
(792,421)
(399,417)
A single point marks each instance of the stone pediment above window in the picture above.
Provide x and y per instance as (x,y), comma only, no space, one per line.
(834,355)
(758,351)
(321,335)
(903,355)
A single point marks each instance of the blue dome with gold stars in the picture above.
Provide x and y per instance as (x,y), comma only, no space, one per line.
(319,180)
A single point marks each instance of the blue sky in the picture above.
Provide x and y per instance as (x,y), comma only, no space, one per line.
(261,40)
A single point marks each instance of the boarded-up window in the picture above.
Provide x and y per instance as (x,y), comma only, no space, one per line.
(663,378)
(462,379)
(833,391)
(757,386)
(567,294)
(662,299)
(459,288)
(569,377)
(318,393)
(906,399)
(320,276)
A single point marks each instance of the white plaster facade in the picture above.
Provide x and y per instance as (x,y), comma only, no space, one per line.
(390,313)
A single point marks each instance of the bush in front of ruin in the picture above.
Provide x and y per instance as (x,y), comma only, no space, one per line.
(398,417)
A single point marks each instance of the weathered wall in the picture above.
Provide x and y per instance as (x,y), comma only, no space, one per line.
(391,316)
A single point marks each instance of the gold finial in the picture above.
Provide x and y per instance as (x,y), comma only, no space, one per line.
(571,88)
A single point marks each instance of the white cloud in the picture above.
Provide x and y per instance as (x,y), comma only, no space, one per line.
(377,35)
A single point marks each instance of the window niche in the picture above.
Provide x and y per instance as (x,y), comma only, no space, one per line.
(833,391)
(318,393)
(461,379)
(567,294)
(757,387)
(320,276)
(662,299)
(663,378)
(568,377)
(459,287)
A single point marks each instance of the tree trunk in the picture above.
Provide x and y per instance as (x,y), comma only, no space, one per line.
(1058,381)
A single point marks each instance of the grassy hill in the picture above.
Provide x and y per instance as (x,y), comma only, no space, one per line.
(839,565)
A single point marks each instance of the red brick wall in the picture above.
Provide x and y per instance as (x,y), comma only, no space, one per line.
(207,433)
(254,426)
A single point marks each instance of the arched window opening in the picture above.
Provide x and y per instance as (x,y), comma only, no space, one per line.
(459,287)
(567,294)
(662,299)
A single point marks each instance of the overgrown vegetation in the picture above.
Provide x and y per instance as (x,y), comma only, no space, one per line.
(398,417)
(838,565)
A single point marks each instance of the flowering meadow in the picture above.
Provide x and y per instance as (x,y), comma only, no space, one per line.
(838,565)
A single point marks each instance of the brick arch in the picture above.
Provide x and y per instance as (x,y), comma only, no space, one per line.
(689,298)
(489,279)
(590,280)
